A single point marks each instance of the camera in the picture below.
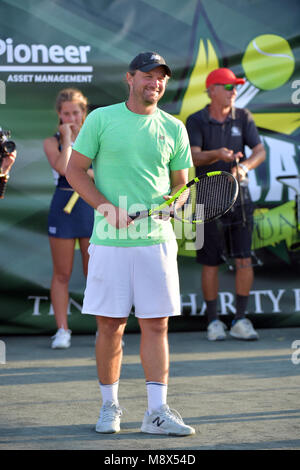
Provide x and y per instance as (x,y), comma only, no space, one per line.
(6,147)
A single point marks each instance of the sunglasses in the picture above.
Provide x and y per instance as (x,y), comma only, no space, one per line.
(228,86)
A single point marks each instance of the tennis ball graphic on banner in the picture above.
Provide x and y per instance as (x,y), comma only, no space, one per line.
(268,61)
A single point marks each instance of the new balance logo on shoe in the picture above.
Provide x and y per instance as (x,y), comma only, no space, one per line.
(158,423)
(164,421)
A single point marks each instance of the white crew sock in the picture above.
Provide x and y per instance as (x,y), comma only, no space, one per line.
(110,392)
(157,395)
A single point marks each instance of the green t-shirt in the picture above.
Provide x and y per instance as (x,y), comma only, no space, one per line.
(133,155)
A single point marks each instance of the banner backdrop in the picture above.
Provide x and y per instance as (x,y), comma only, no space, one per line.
(48,45)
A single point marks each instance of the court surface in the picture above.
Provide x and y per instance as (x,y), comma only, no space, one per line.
(238,395)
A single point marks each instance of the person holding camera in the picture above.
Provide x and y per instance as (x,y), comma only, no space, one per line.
(8,155)
(63,228)
(7,163)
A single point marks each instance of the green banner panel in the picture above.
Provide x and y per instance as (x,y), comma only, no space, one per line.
(47,46)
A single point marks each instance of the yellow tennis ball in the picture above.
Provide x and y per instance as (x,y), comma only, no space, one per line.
(268,61)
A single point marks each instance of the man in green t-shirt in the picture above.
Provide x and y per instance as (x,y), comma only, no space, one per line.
(140,154)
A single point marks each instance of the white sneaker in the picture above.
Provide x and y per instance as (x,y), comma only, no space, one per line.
(109,419)
(164,421)
(243,329)
(216,331)
(61,339)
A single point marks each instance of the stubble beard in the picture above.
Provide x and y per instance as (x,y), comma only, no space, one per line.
(152,96)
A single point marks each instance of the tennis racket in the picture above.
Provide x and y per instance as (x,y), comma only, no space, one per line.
(203,199)
(71,203)
(296,187)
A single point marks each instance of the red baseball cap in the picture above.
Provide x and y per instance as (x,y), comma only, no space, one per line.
(223,76)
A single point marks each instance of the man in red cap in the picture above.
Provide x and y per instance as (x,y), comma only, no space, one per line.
(218,135)
(223,77)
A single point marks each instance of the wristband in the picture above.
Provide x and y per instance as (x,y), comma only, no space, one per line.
(244,168)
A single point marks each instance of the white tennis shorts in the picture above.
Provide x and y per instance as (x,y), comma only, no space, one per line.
(145,277)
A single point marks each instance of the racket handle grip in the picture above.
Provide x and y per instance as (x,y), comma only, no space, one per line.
(3,182)
(139,214)
(134,216)
(71,203)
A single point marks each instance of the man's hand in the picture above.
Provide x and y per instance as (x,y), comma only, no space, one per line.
(226,155)
(115,216)
(237,171)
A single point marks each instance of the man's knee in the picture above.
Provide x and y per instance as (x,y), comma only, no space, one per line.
(111,326)
(156,326)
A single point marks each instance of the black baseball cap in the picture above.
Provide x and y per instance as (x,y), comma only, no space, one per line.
(146,61)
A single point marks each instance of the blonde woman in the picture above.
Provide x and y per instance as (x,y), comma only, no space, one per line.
(64,229)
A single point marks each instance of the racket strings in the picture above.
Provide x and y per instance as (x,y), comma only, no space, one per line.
(215,195)
(207,199)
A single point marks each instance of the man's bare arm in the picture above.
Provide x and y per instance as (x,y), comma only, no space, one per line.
(83,184)
(208,157)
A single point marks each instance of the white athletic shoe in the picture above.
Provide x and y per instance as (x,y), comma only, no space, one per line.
(243,329)
(216,331)
(61,339)
(164,421)
(109,419)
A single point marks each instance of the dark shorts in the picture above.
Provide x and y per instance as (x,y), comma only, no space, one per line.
(228,237)
(78,224)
